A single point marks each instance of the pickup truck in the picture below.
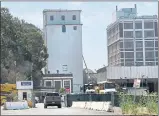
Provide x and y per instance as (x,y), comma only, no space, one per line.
(52,99)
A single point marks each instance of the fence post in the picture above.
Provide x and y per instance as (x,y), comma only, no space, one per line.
(112,98)
(90,97)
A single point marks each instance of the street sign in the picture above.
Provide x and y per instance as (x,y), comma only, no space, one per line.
(137,83)
(67,90)
(24,84)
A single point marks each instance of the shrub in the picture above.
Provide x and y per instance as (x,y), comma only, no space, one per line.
(142,105)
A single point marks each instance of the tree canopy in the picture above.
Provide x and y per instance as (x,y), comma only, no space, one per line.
(23,53)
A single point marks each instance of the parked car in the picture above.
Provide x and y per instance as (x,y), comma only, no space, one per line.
(52,99)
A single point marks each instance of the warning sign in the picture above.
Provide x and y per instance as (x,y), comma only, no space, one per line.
(137,83)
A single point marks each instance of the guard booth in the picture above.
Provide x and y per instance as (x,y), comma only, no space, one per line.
(25,90)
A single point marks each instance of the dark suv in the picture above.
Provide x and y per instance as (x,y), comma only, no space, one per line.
(52,99)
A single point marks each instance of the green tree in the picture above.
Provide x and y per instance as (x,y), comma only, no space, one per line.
(22,47)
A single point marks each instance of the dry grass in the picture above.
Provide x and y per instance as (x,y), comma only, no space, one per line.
(145,106)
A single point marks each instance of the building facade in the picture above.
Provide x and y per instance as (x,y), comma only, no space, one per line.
(58,81)
(63,38)
(132,40)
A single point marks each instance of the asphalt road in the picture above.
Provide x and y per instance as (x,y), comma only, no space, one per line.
(39,110)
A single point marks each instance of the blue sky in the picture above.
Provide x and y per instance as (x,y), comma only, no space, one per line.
(95,17)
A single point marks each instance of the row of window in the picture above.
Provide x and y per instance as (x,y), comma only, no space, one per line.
(147,33)
(64,28)
(139,63)
(139,44)
(63,17)
(138,34)
(139,55)
(138,25)
(49,83)
(136,63)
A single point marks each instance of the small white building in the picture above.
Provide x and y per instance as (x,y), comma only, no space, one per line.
(25,89)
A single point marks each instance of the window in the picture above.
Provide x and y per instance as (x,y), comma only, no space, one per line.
(51,18)
(150,63)
(121,44)
(139,44)
(139,55)
(64,67)
(149,49)
(149,43)
(132,60)
(62,17)
(129,44)
(148,25)
(129,63)
(66,84)
(121,29)
(138,34)
(149,34)
(156,29)
(122,64)
(149,54)
(48,83)
(129,54)
(122,54)
(156,43)
(138,25)
(63,28)
(156,54)
(74,27)
(128,34)
(156,63)
(128,25)
(139,63)
(74,17)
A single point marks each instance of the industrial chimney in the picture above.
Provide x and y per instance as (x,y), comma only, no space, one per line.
(116,8)
(135,5)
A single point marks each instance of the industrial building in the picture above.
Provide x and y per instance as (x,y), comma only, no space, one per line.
(132,43)
(132,40)
(63,38)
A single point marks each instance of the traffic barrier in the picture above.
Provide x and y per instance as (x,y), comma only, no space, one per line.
(100,106)
(106,106)
(15,105)
(88,105)
(82,104)
(79,104)
(74,104)
(97,106)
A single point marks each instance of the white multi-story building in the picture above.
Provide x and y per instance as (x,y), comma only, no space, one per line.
(132,39)
(132,43)
(63,38)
